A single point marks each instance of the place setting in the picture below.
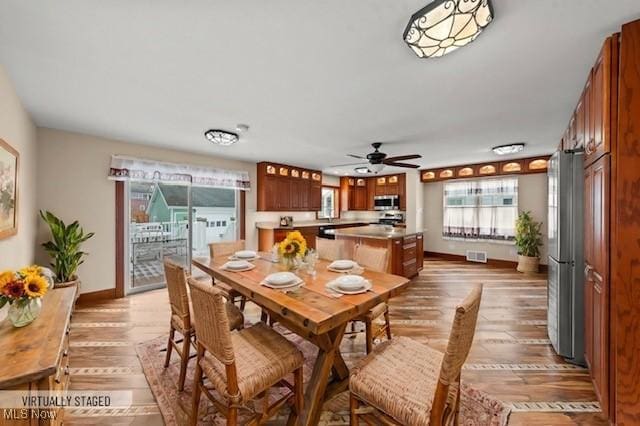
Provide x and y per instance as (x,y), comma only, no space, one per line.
(345,266)
(348,285)
(284,281)
(247,255)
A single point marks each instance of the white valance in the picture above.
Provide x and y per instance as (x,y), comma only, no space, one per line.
(129,168)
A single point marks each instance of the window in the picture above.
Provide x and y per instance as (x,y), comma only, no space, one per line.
(329,207)
(480,210)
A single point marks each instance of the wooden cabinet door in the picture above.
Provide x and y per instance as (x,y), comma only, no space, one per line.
(299,194)
(420,251)
(601,98)
(360,202)
(597,276)
(579,123)
(587,106)
(402,193)
(270,193)
(371,193)
(283,193)
(315,196)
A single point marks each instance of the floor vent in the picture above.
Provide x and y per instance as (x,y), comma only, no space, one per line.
(477,256)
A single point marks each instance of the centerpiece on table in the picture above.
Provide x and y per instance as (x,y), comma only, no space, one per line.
(292,249)
(23,291)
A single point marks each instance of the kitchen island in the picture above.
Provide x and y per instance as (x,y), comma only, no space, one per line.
(270,233)
(406,247)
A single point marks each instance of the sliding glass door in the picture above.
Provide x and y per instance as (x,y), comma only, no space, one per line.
(176,222)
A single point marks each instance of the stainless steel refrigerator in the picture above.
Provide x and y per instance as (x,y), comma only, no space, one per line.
(565,314)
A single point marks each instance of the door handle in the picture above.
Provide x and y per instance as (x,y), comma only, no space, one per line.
(587,271)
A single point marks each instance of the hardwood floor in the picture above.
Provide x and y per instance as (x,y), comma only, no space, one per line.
(511,357)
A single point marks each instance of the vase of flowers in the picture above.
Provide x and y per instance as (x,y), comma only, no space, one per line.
(292,249)
(23,291)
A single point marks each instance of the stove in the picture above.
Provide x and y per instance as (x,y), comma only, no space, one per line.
(391,219)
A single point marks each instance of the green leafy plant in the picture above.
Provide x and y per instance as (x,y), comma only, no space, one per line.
(528,235)
(65,248)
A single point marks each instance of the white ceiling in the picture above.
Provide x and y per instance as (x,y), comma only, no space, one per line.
(315,80)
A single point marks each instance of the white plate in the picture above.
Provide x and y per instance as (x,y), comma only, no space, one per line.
(350,282)
(245,254)
(236,265)
(281,278)
(343,265)
(334,287)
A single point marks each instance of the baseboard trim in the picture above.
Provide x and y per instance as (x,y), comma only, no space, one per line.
(109,293)
(491,262)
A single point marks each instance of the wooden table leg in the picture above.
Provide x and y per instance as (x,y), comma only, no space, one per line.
(315,394)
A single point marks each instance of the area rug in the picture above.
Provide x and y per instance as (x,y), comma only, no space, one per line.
(476,407)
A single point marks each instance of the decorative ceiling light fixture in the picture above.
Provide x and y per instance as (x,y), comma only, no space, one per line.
(362,170)
(445,25)
(508,149)
(221,137)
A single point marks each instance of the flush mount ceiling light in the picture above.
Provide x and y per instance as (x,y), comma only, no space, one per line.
(221,137)
(445,25)
(362,170)
(508,149)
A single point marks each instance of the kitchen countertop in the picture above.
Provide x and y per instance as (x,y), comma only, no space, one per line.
(306,224)
(372,231)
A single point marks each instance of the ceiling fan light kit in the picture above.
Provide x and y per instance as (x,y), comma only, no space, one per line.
(443,26)
(378,160)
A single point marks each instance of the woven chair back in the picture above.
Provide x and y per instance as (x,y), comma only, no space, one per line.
(210,314)
(329,249)
(225,248)
(373,258)
(176,278)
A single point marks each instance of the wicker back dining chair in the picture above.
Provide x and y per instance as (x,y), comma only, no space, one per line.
(182,319)
(329,249)
(241,365)
(375,259)
(390,378)
(228,248)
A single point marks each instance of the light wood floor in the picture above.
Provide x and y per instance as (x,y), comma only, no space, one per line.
(511,358)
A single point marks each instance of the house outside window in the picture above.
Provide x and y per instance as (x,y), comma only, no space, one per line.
(329,207)
(484,209)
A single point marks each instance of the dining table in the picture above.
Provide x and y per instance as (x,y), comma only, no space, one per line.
(311,311)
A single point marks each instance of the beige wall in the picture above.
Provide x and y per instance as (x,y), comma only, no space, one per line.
(17,129)
(532,195)
(73,184)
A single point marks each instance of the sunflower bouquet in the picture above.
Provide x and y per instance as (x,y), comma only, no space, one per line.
(22,290)
(293,247)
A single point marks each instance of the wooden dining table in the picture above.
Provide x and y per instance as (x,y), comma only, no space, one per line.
(312,312)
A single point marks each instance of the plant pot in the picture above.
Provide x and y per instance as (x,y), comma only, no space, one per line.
(24,312)
(528,264)
(76,282)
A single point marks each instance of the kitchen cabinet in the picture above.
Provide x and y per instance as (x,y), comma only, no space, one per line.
(510,167)
(602,99)
(359,193)
(285,188)
(596,277)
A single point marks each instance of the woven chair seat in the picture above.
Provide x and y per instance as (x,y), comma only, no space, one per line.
(236,319)
(375,312)
(400,379)
(263,358)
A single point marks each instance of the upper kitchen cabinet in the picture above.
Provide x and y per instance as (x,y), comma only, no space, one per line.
(286,188)
(507,167)
(359,193)
(603,96)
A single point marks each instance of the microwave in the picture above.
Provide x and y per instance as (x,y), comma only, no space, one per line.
(386,202)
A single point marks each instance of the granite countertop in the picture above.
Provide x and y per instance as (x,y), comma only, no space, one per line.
(306,224)
(372,231)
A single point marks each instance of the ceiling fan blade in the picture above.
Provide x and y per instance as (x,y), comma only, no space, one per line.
(356,156)
(407,165)
(403,157)
(348,164)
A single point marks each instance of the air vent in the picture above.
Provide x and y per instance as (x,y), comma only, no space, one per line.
(477,256)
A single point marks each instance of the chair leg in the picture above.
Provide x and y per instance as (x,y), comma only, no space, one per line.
(243,303)
(369,336)
(298,386)
(184,361)
(387,323)
(232,416)
(353,406)
(352,333)
(197,390)
(172,333)
(264,317)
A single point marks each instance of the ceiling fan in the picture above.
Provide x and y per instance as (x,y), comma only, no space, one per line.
(377,160)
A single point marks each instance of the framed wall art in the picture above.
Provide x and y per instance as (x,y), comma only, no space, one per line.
(9,159)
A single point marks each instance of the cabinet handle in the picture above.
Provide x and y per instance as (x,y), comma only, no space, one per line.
(587,271)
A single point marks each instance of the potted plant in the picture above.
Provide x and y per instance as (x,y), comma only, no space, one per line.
(528,242)
(65,249)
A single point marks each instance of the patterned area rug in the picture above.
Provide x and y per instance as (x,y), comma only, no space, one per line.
(476,407)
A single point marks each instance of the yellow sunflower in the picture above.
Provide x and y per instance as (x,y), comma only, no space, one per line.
(31,270)
(35,286)
(5,278)
(296,237)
